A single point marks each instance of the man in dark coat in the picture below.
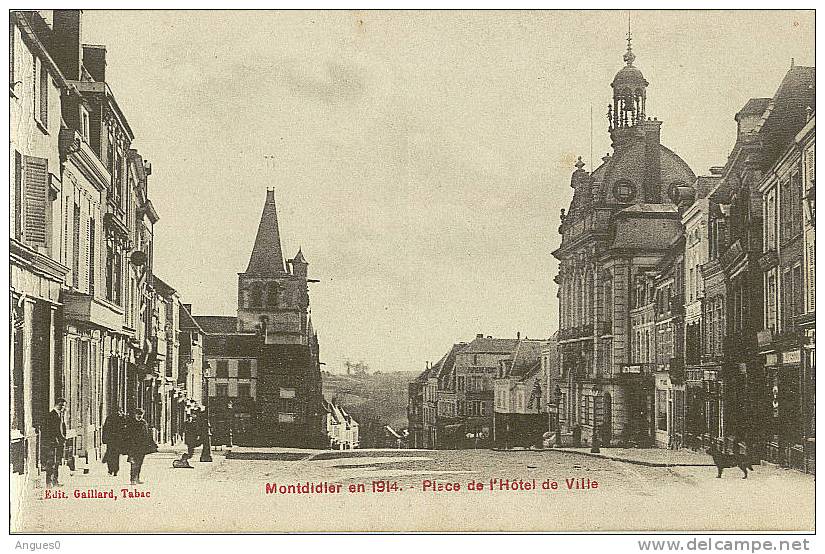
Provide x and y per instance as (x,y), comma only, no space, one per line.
(53,441)
(113,437)
(191,435)
(139,442)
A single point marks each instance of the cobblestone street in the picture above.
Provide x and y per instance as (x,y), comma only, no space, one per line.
(230,494)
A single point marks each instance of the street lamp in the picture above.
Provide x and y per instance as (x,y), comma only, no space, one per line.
(229,406)
(206,428)
(557,400)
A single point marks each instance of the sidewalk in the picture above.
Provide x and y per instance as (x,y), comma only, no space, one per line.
(157,468)
(651,457)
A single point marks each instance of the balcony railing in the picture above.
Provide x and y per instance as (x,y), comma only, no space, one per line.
(576,332)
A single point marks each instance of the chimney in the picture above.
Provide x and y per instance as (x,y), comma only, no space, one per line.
(66,49)
(188,308)
(94,60)
(479,335)
(717,170)
(653,156)
(270,195)
(518,335)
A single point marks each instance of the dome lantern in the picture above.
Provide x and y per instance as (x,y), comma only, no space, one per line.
(629,92)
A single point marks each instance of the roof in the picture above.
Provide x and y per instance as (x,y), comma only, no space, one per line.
(531,371)
(187,322)
(705,184)
(423,376)
(628,164)
(217,324)
(267,259)
(161,287)
(26,21)
(447,362)
(640,231)
(754,106)
(488,345)
(787,112)
(232,346)
(525,356)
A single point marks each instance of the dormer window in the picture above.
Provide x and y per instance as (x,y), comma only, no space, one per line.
(84,123)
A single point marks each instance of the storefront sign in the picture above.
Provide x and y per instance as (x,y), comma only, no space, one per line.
(791,357)
(771,360)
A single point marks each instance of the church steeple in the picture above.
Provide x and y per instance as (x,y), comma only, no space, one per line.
(267,259)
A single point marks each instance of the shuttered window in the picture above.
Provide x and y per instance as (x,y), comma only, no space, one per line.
(811,267)
(44,96)
(40,90)
(35,194)
(76,246)
(18,195)
(91,258)
(86,268)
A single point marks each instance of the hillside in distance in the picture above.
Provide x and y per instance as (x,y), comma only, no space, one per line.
(374,400)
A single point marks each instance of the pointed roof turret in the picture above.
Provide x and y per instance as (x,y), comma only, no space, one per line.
(299,257)
(267,258)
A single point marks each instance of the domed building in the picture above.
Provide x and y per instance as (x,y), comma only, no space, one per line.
(619,227)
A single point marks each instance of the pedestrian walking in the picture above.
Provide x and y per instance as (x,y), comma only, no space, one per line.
(114,429)
(139,443)
(53,441)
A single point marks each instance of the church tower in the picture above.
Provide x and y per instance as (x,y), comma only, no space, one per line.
(273,298)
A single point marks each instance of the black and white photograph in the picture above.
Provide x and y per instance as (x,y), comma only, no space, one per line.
(412,271)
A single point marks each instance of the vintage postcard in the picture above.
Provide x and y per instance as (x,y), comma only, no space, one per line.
(411,271)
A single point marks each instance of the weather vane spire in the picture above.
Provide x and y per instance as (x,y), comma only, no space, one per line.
(629,56)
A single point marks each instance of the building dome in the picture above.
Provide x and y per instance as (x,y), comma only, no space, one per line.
(630,77)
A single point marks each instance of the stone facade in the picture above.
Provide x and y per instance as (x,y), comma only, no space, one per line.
(620,225)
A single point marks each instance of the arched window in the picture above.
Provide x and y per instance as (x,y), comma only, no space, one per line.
(272,294)
(575,294)
(607,288)
(256,295)
(588,297)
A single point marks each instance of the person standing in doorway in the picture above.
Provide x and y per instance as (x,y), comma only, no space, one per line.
(139,442)
(113,437)
(53,441)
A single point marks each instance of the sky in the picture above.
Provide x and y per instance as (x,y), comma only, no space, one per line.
(419,159)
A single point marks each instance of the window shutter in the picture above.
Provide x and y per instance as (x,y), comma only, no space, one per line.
(18,195)
(76,246)
(810,293)
(86,266)
(91,256)
(36,190)
(811,167)
(44,96)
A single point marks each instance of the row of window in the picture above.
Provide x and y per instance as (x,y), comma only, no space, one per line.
(244,390)
(260,295)
(244,368)
(472,383)
(473,408)
(576,306)
(787,282)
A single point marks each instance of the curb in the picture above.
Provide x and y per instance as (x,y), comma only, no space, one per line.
(630,461)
